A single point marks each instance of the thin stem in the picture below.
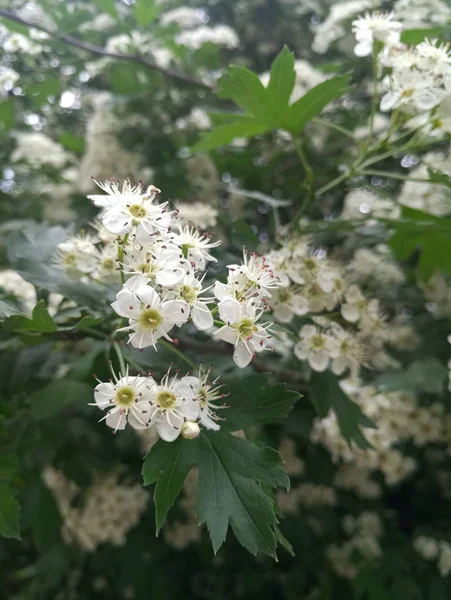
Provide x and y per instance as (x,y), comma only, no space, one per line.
(120,358)
(120,256)
(219,323)
(93,49)
(336,127)
(179,353)
(374,94)
(395,176)
(325,188)
(308,179)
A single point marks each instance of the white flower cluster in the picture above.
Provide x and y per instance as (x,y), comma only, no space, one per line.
(14,285)
(307,495)
(397,417)
(37,149)
(436,550)
(13,42)
(198,214)
(110,509)
(420,78)
(174,406)
(221,35)
(365,531)
(8,78)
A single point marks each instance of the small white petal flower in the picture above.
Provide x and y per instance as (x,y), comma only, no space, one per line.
(173,403)
(150,317)
(127,399)
(241,329)
(190,290)
(195,245)
(411,91)
(375,26)
(316,347)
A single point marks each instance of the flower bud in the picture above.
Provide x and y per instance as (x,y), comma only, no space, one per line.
(190,430)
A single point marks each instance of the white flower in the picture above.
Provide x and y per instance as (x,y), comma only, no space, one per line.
(37,149)
(162,263)
(357,309)
(434,56)
(77,256)
(350,351)
(150,317)
(241,329)
(128,400)
(376,26)
(195,245)
(190,289)
(254,279)
(219,34)
(184,16)
(8,78)
(207,394)
(16,42)
(411,91)
(172,404)
(286,303)
(196,213)
(131,211)
(316,347)
(107,269)
(190,430)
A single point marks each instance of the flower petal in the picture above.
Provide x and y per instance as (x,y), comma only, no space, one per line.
(242,355)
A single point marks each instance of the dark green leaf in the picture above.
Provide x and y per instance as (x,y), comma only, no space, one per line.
(39,92)
(439,177)
(146,11)
(107,6)
(412,37)
(9,513)
(7,310)
(82,367)
(9,464)
(40,321)
(7,114)
(72,142)
(15,27)
(223,135)
(326,394)
(167,465)
(313,102)
(247,91)
(253,401)
(428,375)
(230,470)
(282,80)
(50,400)
(225,496)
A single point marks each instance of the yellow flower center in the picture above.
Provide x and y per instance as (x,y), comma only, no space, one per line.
(246,328)
(150,318)
(125,396)
(109,264)
(317,342)
(137,210)
(166,400)
(284,296)
(188,294)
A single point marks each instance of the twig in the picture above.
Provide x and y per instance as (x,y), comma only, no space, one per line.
(99,51)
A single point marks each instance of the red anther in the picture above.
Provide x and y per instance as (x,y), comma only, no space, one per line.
(176,341)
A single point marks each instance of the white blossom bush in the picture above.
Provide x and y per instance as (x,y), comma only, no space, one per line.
(225,299)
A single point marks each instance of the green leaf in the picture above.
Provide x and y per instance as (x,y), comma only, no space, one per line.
(128,78)
(146,11)
(228,493)
(167,465)
(82,367)
(439,177)
(413,37)
(9,513)
(225,496)
(39,92)
(282,80)
(72,142)
(9,464)
(7,310)
(107,6)
(326,394)
(247,91)
(428,375)
(7,114)
(313,102)
(15,27)
(253,401)
(50,400)
(40,321)
(225,134)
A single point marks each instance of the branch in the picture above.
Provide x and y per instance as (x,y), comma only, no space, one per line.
(99,51)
